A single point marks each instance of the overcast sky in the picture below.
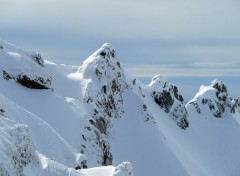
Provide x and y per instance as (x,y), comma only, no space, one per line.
(177,39)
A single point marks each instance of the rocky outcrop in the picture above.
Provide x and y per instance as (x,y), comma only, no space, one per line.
(169,100)
(38,59)
(16,151)
(37,82)
(23,67)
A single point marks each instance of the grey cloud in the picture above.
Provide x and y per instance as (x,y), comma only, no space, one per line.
(130,19)
(191,70)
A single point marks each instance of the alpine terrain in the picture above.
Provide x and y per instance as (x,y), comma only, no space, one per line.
(95,120)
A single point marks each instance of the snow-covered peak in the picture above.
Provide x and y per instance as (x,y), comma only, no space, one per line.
(214,96)
(216,86)
(158,81)
(105,85)
(107,80)
(102,65)
(106,50)
(167,96)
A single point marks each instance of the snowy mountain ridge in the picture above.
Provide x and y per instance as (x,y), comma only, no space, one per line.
(68,120)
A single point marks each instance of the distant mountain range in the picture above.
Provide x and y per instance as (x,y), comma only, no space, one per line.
(93,119)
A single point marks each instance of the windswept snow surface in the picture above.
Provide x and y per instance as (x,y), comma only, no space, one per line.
(94,115)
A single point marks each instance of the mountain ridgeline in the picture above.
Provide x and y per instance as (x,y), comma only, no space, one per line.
(59,120)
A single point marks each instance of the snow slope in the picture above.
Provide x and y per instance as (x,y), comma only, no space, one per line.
(88,119)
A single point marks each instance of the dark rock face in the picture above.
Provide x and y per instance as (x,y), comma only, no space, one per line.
(107,155)
(235,105)
(221,95)
(170,100)
(221,91)
(164,100)
(37,83)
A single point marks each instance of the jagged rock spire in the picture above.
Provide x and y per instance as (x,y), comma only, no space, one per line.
(104,91)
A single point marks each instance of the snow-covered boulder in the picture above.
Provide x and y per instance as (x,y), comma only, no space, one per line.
(26,68)
(168,98)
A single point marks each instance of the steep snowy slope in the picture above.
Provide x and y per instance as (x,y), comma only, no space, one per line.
(77,119)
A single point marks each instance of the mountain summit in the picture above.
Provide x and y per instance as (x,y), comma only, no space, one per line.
(214,99)
(93,120)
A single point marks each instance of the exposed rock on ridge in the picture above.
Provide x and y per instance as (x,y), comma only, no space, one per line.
(170,100)
(215,98)
(26,69)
